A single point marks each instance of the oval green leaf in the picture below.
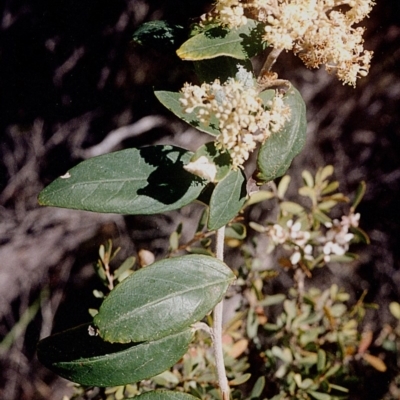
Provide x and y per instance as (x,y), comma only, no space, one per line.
(165,395)
(170,100)
(88,360)
(241,43)
(227,199)
(163,298)
(278,151)
(143,181)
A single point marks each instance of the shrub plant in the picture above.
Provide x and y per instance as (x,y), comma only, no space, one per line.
(150,315)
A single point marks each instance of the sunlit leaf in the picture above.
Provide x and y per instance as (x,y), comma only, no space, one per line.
(278,151)
(258,388)
(319,395)
(362,188)
(308,178)
(241,43)
(163,298)
(375,362)
(291,207)
(146,181)
(240,380)
(258,197)
(283,186)
(394,308)
(323,173)
(171,101)
(321,362)
(227,199)
(165,395)
(273,299)
(331,187)
(236,231)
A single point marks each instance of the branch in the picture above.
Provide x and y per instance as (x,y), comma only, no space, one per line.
(114,138)
(217,326)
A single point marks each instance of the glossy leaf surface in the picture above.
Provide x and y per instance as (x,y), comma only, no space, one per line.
(241,43)
(135,181)
(163,298)
(171,101)
(227,199)
(88,360)
(278,151)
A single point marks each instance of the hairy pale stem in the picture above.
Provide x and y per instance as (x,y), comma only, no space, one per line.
(217,325)
(270,61)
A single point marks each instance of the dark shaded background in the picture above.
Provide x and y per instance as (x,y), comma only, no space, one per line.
(69,75)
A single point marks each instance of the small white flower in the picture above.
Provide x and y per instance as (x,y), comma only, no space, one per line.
(295,257)
(243,119)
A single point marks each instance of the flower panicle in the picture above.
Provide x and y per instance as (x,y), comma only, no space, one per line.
(244,120)
(318,31)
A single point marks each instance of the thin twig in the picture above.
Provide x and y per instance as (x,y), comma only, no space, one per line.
(114,138)
(217,326)
(270,61)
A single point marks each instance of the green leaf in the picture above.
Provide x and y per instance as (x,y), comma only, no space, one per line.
(258,388)
(135,181)
(165,395)
(321,363)
(240,43)
(159,35)
(88,360)
(171,101)
(320,216)
(240,380)
(280,148)
(394,308)
(258,197)
(308,178)
(273,299)
(332,186)
(236,231)
(339,388)
(127,264)
(323,173)
(283,186)
(284,354)
(163,298)
(291,207)
(227,199)
(362,188)
(220,68)
(319,395)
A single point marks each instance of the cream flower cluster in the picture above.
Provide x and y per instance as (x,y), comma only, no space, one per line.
(335,241)
(231,13)
(243,119)
(317,30)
